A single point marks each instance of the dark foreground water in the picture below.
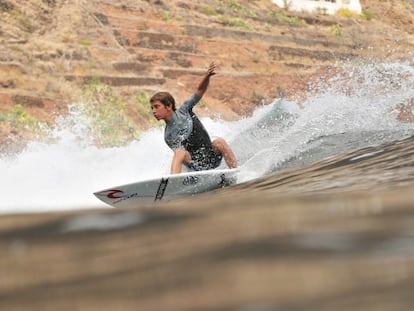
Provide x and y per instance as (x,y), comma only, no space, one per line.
(337,234)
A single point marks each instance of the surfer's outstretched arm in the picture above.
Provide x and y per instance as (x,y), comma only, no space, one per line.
(202,87)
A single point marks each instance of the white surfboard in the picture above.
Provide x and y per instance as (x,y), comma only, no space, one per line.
(166,188)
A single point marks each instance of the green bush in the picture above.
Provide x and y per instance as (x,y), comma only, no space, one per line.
(347,13)
(406,4)
(208,10)
(282,17)
(19,118)
(367,15)
(84,42)
(166,15)
(337,30)
(23,20)
(234,22)
(237,7)
(111,125)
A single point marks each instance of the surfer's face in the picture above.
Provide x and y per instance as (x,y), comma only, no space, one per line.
(161,111)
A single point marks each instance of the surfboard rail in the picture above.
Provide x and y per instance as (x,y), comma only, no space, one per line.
(167,187)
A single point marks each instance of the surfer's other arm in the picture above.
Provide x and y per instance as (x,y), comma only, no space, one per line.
(202,87)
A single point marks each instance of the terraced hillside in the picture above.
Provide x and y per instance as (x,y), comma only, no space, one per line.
(52,50)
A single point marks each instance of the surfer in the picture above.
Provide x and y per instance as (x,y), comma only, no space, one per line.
(186,135)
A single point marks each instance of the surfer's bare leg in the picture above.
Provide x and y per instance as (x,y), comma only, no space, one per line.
(221,146)
(180,157)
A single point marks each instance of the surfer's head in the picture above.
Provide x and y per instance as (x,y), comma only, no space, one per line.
(165,98)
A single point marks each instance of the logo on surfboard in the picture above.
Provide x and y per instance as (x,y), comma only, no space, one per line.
(190,180)
(115,195)
(112,194)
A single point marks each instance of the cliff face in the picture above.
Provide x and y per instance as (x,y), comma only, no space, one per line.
(53,49)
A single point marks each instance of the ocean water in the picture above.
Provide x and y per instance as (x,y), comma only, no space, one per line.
(352,110)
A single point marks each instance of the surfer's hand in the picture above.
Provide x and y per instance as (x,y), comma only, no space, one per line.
(211,71)
(202,87)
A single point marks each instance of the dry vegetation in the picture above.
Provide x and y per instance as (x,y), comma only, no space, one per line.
(52,49)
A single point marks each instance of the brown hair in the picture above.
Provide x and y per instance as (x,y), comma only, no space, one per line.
(165,98)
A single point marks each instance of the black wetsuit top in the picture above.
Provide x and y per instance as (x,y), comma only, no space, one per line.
(185,130)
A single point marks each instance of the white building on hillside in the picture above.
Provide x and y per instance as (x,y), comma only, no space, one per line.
(321,6)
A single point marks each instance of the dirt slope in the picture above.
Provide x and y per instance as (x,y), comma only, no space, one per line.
(52,49)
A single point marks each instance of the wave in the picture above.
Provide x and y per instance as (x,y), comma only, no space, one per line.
(355,108)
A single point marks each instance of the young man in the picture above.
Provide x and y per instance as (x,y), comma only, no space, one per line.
(185,134)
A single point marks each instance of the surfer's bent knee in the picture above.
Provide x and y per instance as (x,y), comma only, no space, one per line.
(182,155)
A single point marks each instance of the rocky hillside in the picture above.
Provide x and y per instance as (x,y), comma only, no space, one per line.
(117,53)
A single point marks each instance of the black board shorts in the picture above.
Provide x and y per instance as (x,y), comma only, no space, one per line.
(206,161)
